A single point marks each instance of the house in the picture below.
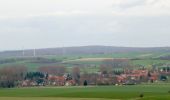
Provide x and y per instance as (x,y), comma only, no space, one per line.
(133,76)
(120,79)
(154,77)
(56,80)
(70,83)
(27,83)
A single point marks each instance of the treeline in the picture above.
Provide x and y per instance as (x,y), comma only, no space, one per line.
(11,60)
(45,60)
(30,59)
(109,72)
(11,76)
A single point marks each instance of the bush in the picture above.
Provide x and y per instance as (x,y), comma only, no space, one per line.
(85,83)
(141,95)
(169,91)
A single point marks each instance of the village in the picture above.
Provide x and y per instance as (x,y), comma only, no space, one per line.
(127,77)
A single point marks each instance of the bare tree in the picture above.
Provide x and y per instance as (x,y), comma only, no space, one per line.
(54,70)
(11,76)
(117,63)
(76,74)
(104,69)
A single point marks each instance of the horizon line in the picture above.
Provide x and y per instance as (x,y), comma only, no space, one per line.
(8,50)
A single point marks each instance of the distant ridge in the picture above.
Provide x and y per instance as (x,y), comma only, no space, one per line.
(81,50)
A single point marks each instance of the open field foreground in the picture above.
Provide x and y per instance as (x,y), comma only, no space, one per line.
(48,98)
(149,92)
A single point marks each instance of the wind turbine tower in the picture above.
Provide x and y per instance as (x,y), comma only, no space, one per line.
(63,51)
(34,52)
(23,52)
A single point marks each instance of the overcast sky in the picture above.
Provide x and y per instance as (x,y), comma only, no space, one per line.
(56,23)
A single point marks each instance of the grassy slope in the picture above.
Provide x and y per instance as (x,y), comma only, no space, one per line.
(70,60)
(110,92)
(147,62)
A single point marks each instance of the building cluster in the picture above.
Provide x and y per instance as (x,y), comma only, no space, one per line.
(128,77)
(51,80)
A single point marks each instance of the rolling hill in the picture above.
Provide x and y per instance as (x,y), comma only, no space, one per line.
(82,50)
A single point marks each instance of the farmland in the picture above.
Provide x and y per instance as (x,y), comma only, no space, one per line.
(89,64)
(33,63)
(84,50)
(149,92)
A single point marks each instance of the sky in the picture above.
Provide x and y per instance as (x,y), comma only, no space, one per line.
(27,24)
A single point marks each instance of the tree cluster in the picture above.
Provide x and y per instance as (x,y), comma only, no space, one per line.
(11,76)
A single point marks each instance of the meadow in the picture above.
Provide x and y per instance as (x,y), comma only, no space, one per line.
(91,62)
(149,92)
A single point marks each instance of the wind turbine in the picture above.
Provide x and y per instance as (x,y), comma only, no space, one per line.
(63,51)
(34,52)
(23,52)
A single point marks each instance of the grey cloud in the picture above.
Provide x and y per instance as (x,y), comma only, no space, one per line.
(56,31)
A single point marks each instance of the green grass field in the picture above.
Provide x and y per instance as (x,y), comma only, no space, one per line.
(150,92)
(72,60)
(48,98)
